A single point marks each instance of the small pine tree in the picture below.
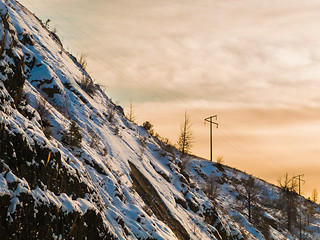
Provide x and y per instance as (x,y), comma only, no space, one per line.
(186,136)
(73,136)
(131,117)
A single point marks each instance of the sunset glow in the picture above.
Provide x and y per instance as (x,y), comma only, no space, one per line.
(256,64)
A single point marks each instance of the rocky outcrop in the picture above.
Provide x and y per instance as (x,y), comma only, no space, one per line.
(152,199)
(11,58)
(30,222)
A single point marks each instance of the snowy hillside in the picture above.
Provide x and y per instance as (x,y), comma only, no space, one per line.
(73,167)
(231,190)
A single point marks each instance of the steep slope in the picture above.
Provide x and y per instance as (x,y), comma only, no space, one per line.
(111,181)
(73,167)
(231,190)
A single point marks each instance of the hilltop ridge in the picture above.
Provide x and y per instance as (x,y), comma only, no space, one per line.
(72,166)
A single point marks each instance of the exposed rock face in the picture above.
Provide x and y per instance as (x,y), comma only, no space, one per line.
(11,58)
(117,182)
(27,168)
(49,222)
(153,200)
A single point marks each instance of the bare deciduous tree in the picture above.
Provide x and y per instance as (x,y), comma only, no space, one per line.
(314,196)
(211,188)
(249,191)
(288,197)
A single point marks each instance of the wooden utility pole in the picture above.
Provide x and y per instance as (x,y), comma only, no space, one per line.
(210,120)
(300,180)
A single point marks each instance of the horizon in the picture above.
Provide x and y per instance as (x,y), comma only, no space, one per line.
(254,65)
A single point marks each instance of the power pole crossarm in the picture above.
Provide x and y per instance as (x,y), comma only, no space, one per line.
(210,120)
(300,180)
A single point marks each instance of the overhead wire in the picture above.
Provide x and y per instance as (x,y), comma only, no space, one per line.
(118,71)
(113,68)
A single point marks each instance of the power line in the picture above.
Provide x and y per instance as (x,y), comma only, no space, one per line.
(117,70)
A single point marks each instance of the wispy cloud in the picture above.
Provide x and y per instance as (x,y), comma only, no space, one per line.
(223,51)
(255,63)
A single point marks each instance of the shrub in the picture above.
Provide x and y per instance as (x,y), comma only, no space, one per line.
(111,114)
(43,108)
(104,151)
(73,136)
(148,126)
(83,61)
(148,210)
(116,130)
(48,132)
(94,141)
(88,85)
(220,160)
(47,23)
(143,144)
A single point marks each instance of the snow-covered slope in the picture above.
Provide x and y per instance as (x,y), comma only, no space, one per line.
(114,181)
(229,189)
(119,183)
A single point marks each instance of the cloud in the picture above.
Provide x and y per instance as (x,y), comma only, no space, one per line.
(254,63)
(230,51)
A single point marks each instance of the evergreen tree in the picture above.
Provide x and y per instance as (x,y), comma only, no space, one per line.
(131,117)
(73,136)
(186,136)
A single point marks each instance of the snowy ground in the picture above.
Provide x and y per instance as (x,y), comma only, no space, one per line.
(111,148)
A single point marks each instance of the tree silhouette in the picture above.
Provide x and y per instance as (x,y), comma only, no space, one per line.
(249,191)
(131,116)
(186,136)
(288,197)
(148,126)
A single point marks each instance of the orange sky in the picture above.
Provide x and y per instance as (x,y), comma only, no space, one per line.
(254,63)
